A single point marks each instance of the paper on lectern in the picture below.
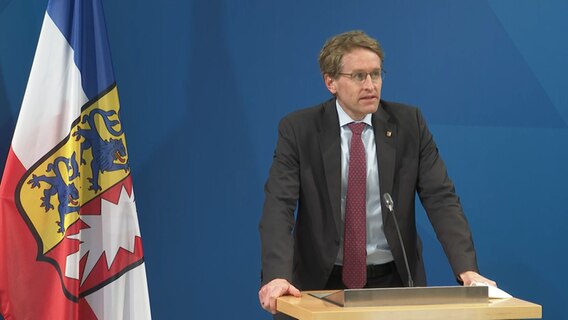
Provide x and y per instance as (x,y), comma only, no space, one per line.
(494,292)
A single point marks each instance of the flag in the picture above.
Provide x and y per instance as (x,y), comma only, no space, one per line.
(70,244)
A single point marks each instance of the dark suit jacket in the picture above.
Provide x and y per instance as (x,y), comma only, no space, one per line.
(305,174)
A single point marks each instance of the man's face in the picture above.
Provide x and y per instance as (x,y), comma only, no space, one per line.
(357,98)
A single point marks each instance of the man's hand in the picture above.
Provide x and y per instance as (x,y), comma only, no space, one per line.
(268,294)
(469,278)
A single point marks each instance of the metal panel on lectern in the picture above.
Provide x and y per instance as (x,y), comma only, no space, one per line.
(407,296)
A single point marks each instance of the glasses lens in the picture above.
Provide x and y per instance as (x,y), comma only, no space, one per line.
(359,76)
(375,75)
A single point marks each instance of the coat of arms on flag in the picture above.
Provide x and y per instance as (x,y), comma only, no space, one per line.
(79,192)
(69,233)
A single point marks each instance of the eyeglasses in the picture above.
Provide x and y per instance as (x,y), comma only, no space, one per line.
(360,76)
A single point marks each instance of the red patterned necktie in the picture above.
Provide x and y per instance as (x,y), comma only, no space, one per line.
(354,245)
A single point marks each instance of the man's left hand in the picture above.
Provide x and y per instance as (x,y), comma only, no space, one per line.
(470,277)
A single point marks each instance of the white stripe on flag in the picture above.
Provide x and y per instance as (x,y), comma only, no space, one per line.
(53,97)
(126,298)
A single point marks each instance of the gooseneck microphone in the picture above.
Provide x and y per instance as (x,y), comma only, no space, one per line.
(390,206)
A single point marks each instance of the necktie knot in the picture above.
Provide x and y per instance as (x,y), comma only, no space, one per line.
(357,128)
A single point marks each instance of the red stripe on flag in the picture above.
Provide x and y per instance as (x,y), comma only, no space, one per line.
(29,289)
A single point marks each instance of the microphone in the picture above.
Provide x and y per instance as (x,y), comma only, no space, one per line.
(390,206)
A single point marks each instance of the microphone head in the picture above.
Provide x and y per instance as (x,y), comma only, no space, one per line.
(388,201)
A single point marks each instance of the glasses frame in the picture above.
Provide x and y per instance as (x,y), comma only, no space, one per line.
(354,75)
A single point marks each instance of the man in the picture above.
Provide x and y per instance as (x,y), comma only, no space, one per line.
(333,163)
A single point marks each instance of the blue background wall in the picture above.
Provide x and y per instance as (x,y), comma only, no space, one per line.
(204,83)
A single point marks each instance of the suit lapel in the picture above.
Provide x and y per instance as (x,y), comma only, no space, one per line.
(385,139)
(330,145)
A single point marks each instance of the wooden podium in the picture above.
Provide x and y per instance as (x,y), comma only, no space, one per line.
(308,307)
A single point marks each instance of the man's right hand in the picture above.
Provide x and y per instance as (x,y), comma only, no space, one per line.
(268,294)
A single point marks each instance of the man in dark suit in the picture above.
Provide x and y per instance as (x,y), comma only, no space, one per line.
(343,235)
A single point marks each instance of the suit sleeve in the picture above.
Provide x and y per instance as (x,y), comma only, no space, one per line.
(281,197)
(438,196)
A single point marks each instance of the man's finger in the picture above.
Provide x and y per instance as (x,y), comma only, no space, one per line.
(274,294)
(270,292)
(294,291)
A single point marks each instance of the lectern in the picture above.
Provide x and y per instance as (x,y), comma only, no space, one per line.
(310,306)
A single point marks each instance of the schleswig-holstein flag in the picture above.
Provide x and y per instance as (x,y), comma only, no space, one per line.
(70,245)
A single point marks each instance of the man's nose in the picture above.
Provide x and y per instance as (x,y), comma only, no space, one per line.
(368,82)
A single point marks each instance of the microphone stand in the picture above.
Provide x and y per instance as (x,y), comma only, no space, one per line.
(390,206)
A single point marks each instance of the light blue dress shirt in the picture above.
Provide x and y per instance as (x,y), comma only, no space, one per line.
(378,251)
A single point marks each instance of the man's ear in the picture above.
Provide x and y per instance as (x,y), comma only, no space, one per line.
(330,83)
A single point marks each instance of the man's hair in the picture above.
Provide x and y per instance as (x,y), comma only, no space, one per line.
(331,55)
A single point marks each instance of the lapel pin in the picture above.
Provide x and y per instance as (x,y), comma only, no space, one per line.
(389,133)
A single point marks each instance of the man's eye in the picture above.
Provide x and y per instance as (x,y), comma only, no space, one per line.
(359,76)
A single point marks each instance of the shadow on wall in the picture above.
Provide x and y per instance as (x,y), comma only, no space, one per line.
(7,123)
(213,186)
(3,4)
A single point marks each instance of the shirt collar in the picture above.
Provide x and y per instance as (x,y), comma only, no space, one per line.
(345,119)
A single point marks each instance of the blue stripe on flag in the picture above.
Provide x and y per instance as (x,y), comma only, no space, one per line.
(82,23)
